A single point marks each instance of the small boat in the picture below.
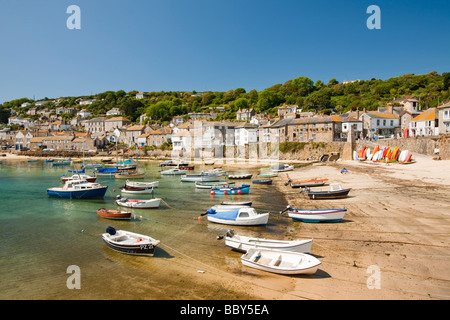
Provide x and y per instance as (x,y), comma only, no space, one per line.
(243,189)
(335,192)
(129,174)
(308,183)
(129,242)
(78,189)
(209,163)
(244,243)
(107,159)
(203,177)
(281,262)
(138,204)
(244,216)
(109,172)
(174,171)
(136,190)
(33,160)
(315,215)
(114,214)
(283,168)
(240,176)
(236,203)
(78,176)
(48,160)
(263,181)
(268,175)
(138,184)
(210,185)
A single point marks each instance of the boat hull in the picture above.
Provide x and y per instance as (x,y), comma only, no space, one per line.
(140,204)
(133,244)
(263,181)
(114,214)
(244,189)
(77,194)
(308,183)
(243,244)
(337,194)
(261,219)
(200,178)
(314,216)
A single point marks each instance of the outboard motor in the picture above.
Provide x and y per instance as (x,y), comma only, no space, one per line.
(111,230)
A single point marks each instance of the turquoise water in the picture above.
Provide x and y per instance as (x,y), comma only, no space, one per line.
(41,237)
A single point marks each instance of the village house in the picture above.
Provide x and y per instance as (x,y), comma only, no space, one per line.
(142,140)
(159,136)
(351,122)
(444,118)
(23,140)
(87,102)
(83,143)
(181,141)
(287,111)
(58,142)
(245,114)
(141,95)
(425,124)
(84,113)
(95,125)
(61,110)
(316,129)
(113,112)
(245,133)
(131,134)
(59,125)
(379,124)
(116,122)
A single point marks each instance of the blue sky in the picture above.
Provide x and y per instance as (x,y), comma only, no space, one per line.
(212,45)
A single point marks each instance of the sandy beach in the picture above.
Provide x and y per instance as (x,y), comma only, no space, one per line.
(393,242)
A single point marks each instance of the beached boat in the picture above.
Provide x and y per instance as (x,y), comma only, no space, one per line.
(268,175)
(240,176)
(139,184)
(315,215)
(129,242)
(236,203)
(138,204)
(308,183)
(78,189)
(114,214)
(283,168)
(245,216)
(244,243)
(129,174)
(203,177)
(243,189)
(263,181)
(281,262)
(136,190)
(335,192)
(210,185)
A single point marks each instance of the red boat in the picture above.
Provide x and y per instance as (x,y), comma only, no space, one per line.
(114,214)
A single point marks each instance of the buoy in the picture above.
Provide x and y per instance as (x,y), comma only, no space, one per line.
(225,192)
(239,191)
(212,192)
(199,218)
(114,190)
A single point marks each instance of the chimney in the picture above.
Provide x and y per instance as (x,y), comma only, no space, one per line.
(357,112)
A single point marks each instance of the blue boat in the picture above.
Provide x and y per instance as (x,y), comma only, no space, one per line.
(243,189)
(106,171)
(78,189)
(263,181)
(243,216)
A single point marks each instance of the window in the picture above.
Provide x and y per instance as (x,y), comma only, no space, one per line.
(384,123)
(378,122)
(446,114)
(392,123)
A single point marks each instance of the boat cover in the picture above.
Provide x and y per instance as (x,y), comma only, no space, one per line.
(224,215)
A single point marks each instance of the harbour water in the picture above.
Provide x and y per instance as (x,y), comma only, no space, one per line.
(42,236)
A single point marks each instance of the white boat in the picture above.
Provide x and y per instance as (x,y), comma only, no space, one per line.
(210,185)
(243,216)
(138,204)
(139,184)
(315,215)
(173,171)
(281,262)
(129,242)
(135,190)
(78,176)
(283,168)
(203,177)
(244,243)
(240,176)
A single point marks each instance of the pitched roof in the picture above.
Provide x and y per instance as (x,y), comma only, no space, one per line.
(444,105)
(427,115)
(376,114)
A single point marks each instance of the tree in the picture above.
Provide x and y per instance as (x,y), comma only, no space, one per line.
(241,103)
(132,109)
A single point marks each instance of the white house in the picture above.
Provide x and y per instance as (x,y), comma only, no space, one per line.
(348,122)
(23,140)
(425,124)
(245,133)
(444,117)
(113,112)
(377,124)
(84,113)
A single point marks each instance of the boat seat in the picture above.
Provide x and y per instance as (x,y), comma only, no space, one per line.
(275,261)
(255,257)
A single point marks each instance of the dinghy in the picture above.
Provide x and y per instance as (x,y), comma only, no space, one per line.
(129,242)
(211,185)
(244,243)
(245,216)
(335,192)
(114,214)
(308,183)
(281,262)
(136,190)
(139,184)
(315,215)
(262,181)
(138,204)
(243,189)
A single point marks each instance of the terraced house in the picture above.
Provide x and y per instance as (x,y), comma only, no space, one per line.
(315,129)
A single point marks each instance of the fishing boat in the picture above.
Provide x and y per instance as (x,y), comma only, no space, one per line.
(138,204)
(283,168)
(281,262)
(308,183)
(136,190)
(236,203)
(129,242)
(263,181)
(335,192)
(210,185)
(240,176)
(315,215)
(129,174)
(114,214)
(203,177)
(244,243)
(243,189)
(244,216)
(78,189)
(139,184)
